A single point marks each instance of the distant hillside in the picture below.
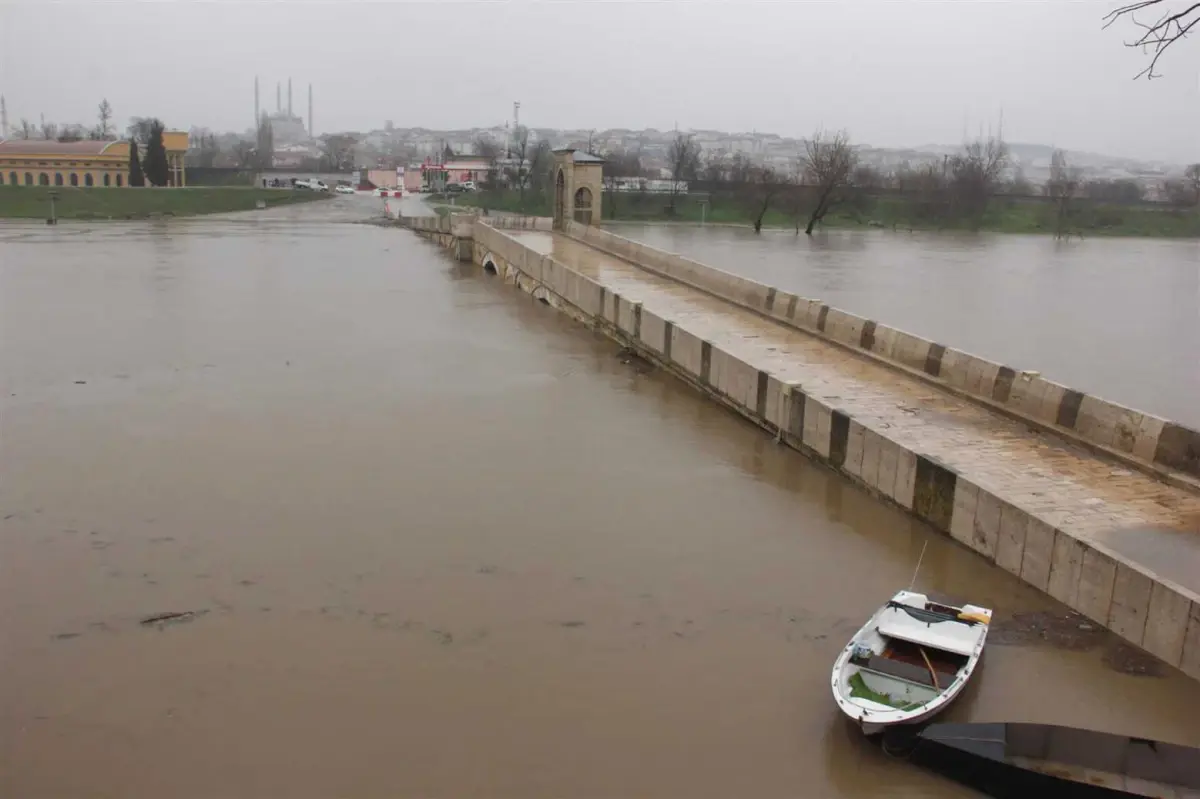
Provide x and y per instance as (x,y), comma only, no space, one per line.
(1041,152)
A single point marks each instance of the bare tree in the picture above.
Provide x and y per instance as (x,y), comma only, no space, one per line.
(25,129)
(338,151)
(1019,186)
(683,157)
(623,163)
(139,129)
(70,133)
(264,141)
(619,164)
(715,168)
(244,154)
(1173,22)
(1063,186)
(519,172)
(761,188)
(828,166)
(105,113)
(975,174)
(1113,191)
(49,130)
(1192,176)
(1178,193)
(539,165)
(486,148)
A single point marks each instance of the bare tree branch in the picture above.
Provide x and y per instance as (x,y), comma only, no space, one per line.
(684,159)
(1158,36)
(1064,185)
(829,163)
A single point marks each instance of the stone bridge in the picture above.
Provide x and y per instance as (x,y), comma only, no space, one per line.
(1095,504)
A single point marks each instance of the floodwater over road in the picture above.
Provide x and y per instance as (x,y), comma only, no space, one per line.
(436,539)
(1119,318)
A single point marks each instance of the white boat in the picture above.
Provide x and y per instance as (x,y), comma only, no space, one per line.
(909,662)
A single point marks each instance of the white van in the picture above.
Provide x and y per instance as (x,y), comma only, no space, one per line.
(313,185)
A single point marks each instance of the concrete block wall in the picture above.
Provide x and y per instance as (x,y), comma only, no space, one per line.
(1147,611)
(1164,447)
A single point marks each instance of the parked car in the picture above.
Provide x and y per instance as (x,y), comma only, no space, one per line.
(311,185)
(344,190)
(455,188)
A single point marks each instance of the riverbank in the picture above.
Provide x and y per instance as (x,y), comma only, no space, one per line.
(33,202)
(1004,215)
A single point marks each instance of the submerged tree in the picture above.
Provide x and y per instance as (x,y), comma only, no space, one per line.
(829,163)
(1064,185)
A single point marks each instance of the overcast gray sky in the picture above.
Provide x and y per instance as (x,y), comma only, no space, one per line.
(892,72)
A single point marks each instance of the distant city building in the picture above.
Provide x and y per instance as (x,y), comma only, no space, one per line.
(41,162)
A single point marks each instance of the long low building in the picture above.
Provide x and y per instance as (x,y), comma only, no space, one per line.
(42,162)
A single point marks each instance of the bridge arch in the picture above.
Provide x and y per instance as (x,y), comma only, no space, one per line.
(583,206)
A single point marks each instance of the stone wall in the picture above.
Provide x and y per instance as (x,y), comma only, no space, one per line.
(1169,450)
(1152,613)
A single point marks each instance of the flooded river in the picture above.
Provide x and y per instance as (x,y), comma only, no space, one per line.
(1119,318)
(434,540)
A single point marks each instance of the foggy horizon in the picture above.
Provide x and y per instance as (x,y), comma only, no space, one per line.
(893,74)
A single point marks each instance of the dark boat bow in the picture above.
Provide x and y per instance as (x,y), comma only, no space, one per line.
(1013,760)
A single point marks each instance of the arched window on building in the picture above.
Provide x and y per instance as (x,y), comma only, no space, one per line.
(74,178)
(12,179)
(107,179)
(43,179)
(1,178)
(58,179)
(87,179)
(28,178)
(120,180)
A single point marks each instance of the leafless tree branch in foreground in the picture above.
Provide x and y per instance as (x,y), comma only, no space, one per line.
(1171,26)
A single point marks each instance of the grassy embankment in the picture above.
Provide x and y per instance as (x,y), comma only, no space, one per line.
(1004,215)
(33,202)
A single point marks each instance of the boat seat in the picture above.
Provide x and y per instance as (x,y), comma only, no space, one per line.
(907,671)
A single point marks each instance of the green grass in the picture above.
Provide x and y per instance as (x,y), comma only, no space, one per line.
(860,690)
(1003,215)
(33,202)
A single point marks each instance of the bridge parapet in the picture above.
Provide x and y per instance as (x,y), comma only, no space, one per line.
(1118,546)
(1167,449)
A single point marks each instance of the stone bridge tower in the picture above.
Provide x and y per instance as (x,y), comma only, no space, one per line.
(578,187)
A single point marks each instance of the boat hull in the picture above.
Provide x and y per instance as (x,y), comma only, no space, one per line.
(875,655)
(989,758)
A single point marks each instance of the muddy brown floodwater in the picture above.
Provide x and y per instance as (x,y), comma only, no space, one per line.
(429,539)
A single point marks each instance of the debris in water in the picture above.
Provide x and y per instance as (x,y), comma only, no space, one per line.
(1130,660)
(1065,630)
(630,357)
(163,619)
